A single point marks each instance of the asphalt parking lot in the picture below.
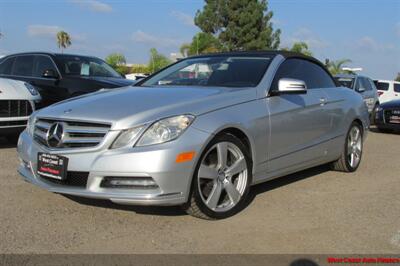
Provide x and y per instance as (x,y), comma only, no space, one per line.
(315,211)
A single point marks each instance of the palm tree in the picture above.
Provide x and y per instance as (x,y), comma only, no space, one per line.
(63,40)
(336,67)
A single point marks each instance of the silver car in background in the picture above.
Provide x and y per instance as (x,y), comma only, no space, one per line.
(197,139)
(364,86)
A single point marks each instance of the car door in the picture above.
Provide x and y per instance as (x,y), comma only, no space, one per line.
(48,84)
(299,123)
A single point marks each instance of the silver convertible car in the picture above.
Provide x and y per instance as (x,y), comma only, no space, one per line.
(199,133)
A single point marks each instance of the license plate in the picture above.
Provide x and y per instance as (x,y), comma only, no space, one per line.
(52,166)
(394,119)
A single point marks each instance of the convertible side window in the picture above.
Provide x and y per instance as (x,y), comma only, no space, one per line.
(311,73)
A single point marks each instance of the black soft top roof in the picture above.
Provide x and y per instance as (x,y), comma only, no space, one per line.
(269,53)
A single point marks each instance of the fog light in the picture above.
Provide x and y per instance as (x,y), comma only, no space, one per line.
(26,164)
(128,182)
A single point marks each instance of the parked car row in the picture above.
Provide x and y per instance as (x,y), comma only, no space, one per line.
(198,133)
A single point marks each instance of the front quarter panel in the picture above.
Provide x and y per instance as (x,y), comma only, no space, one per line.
(251,118)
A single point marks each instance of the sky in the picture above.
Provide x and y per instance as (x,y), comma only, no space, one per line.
(365,31)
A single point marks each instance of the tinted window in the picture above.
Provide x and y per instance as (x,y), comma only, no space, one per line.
(23,65)
(6,66)
(396,87)
(43,63)
(221,71)
(345,82)
(382,86)
(366,84)
(372,84)
(312,74)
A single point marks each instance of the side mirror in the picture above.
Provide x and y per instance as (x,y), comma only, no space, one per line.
(50,73)
(291,86)
(361,89)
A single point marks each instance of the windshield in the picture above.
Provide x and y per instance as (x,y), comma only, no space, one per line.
(223,71)
(85,66)
(345,82)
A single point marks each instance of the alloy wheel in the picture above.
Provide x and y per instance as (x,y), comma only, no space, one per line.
(222,176)
(354,146)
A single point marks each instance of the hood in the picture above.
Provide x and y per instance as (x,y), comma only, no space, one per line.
(391,104)
(132,106)
(107,82)
(15,90)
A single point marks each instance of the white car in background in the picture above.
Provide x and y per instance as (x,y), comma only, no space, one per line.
(388,90)
(17,102)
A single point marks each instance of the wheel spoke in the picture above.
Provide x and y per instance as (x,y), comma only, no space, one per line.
(349,148)
(213,198)
(237,167)
(352,159)
(222,151)
(232,192)
(357,152)
(357,135)
(207,172)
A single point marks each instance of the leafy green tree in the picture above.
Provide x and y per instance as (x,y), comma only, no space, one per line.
(336,67)
(299,47)
(118,62)
(157,60)
(202,43)
(116,59)
(239,24)
(140,69)
(397,77)
(63,40)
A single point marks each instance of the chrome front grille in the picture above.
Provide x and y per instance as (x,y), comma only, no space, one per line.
(75,134)
(15,108)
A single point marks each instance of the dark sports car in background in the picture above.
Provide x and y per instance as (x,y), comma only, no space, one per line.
(61,76)
(387,116)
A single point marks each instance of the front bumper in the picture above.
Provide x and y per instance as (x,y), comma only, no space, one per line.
(382,124)
(158,162)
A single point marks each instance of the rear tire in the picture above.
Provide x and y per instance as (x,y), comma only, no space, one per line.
(221,180)
(352,150)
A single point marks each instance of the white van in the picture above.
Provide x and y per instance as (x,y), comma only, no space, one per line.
(388,90)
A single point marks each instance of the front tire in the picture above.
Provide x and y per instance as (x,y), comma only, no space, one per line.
(221,179)
(352,150)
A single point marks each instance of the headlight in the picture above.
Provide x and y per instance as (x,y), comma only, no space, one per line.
(165,130)
(30,126)
(126,138)
(31,89)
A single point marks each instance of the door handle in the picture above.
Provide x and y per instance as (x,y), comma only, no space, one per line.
(322,101)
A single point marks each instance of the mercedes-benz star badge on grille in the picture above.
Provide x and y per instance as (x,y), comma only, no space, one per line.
(198,134)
